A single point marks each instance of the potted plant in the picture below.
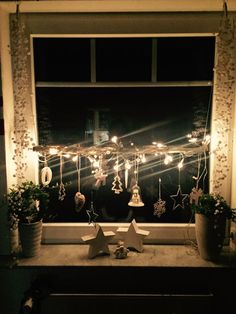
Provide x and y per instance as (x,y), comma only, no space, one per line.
(211,215)
(27,206)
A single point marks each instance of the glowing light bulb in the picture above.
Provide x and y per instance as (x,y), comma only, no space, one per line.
(192,140)
(180,164)
(116,167)
(53,151)
(96,164)
(143,158)
(168,159)
(114,139)
(127,165)
(75,158)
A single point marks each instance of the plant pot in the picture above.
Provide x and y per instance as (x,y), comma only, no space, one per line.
(210,234)
(30,238)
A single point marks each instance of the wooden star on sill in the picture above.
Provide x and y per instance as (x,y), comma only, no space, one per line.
(98,242)
(133,236)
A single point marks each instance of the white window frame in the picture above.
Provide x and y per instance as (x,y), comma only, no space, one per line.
(72,232)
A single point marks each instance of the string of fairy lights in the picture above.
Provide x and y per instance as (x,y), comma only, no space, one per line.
(125,159)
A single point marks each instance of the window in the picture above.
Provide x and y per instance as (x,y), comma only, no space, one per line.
(160,31)
(145,90)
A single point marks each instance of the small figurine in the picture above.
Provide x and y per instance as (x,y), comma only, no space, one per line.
(121,251)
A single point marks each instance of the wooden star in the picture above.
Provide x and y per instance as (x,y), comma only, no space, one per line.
(98,242)
(133,236)
(179,199)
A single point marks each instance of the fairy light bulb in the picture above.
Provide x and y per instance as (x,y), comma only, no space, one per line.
(160,145)
(180,164)
(206,139)
(192,140)
(96,164)
(143,158)
(75,158)
(127,165)
(114,139)
(53,151)
(168,159)
(116,167)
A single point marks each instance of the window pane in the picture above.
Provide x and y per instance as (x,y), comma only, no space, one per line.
(62,59)
(185,59)
(138,115)
(123,59)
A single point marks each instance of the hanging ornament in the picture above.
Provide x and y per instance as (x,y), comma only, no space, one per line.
(117,184)
(194,195)
(127,168)
(179,198)
(159,206)
(46,176)
(135,199)
(91,212)
(46,173)
(100,178)
(62,191)
(79,198)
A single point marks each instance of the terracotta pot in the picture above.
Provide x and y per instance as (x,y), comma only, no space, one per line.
(30,238)
(210,234)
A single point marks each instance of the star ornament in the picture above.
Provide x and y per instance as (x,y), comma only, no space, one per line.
(91,214)
(179,199)
(133,236)
(98,242)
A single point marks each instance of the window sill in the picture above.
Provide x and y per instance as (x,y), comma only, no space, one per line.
(158,256)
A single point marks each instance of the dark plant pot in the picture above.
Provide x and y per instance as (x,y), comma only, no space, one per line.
(30,238)
(210,234)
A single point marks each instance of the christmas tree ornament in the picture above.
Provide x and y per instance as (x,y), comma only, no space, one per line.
(133,236)
(79,198)
(159,206)
(117,184)
(98,242)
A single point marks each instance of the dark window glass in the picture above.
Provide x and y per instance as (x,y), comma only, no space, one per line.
(138,115)
(91,115)
(185,59)
(62,59)
(123,59)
